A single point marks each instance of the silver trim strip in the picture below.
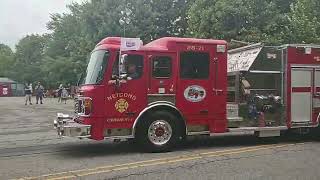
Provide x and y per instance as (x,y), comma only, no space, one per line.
(265,72)
(119,137)
(311,126)
(159,102)
(88,136)
(304,66)
(241,129)
(301,45)
(232,134)
(198,133)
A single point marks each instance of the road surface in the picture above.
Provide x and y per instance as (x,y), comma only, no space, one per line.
(30,149)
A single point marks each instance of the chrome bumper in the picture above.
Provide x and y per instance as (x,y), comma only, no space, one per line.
(66,126)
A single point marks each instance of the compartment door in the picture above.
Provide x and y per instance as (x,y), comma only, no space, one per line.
(301,95)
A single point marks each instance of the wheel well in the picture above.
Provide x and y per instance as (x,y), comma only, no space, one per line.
(168,108)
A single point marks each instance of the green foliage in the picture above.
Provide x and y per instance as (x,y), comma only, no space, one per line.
(246,20)
(59,57)
(6,59)
(28,59)
(304,22)
(75,34)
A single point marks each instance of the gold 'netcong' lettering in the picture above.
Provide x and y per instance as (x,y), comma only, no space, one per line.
(121,95)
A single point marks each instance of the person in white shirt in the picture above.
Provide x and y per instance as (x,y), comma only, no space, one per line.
(64,95)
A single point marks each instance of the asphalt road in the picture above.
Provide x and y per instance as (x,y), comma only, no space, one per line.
(30,149)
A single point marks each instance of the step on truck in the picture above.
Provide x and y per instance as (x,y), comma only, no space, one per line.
(171,88)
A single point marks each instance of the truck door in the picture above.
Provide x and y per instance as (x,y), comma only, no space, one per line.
(124,102)
(162,77)
(194,85)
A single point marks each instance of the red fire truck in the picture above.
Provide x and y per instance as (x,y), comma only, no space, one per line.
(170,88)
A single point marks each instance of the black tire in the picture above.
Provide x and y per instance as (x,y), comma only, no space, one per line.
(142,137)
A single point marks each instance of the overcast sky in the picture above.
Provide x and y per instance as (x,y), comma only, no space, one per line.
(21,17)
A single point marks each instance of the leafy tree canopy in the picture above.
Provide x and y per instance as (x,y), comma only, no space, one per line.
(59,57)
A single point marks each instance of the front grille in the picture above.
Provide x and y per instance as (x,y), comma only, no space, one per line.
(78,106)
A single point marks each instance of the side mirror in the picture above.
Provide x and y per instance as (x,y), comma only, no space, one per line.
(123,59)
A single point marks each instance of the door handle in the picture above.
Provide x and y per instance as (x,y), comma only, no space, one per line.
(218,91)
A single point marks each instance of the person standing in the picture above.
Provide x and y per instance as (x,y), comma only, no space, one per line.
(59,92)
(68,88)
(64,95)
(28,93)
(39,92)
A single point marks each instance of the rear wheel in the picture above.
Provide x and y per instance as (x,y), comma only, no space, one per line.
(158,132)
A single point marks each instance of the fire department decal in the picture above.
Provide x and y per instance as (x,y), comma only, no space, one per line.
(194,93)
(121,105)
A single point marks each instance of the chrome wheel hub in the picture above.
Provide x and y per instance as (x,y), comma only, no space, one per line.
(159,132)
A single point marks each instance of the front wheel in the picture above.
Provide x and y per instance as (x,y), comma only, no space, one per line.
(158,132)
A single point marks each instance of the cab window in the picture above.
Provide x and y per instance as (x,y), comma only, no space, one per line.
(161,67)
(194,65)
(131,66)
(97,64)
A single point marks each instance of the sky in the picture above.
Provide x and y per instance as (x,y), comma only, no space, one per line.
(21,17)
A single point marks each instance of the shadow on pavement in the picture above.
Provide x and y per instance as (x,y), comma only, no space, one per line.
(192,143)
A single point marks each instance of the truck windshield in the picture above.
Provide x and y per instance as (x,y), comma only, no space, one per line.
(96,67)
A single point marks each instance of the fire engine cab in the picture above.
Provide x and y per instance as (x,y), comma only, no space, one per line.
(161,92)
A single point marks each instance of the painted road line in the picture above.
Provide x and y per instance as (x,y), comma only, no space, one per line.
(92,169)
(238,149)
(126,167)
(153,162)
(193,157)
(144,163)
(248,150)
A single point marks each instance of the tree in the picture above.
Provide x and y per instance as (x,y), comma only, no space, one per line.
(247,20)
(59,57)
(74,35)
(304,22)
(284,5)
(6,59)
(155,19)
(28,58)
(59,70)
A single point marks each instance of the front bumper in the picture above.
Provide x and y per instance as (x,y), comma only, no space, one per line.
(66,126)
